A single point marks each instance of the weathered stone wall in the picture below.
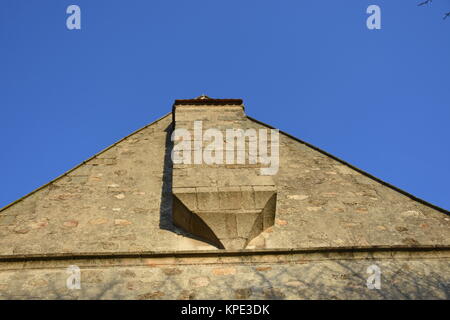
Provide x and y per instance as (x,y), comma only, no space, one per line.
(262,277)
(322,202)
(121,201)
(117,201)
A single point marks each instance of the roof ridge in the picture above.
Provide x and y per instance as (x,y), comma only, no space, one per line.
(411,196)
(82,163)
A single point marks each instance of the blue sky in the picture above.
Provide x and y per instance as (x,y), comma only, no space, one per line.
(378,99)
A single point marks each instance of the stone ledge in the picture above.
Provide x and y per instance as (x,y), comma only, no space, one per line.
(152,258)
(208,102)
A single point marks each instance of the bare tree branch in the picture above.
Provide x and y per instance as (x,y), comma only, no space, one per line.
(425,2)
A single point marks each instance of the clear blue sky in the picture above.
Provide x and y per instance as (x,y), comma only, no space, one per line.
(378,99)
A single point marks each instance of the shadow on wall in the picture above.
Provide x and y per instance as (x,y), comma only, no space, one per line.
(165,211)
(309,280)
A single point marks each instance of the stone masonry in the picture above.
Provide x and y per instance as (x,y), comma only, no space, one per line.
(226,204)
(141,227)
